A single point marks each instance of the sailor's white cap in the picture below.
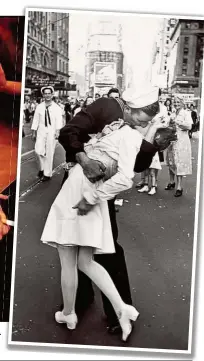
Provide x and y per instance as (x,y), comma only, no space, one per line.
(141,97)
(47,87)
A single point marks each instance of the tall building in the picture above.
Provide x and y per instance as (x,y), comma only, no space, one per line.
(47,59)
(104,68)
(160,56)
(185,57)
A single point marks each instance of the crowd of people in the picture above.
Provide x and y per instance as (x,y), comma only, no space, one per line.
(178,155)
(70,106)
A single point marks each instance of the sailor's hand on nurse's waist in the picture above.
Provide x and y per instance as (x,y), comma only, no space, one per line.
(93,169)
(83,207)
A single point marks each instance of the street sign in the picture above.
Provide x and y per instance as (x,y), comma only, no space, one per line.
(56,84)
(188,98)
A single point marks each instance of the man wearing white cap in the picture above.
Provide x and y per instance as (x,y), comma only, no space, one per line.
(137,108)
(47,122)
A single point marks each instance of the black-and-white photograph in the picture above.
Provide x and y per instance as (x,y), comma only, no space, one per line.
(108,184)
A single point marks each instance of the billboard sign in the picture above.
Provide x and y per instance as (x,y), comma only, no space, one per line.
(105,73)
(188,98)
(56,84)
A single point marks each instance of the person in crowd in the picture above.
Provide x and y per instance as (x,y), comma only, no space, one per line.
(168,105)
(194,117)
(68,110)
(179,152)
(46,125)
(72,137)
(60,103)
(149,178)
(33,105)
(89,100)
(74,105)
(27,109)
(82,204)
(113,93)
(97,96)
(79,107)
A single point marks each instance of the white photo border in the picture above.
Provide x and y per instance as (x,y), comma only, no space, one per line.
(198,182)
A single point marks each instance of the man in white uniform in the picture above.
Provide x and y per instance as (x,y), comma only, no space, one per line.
(47,122)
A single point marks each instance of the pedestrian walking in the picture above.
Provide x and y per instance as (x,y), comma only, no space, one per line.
(179,152)
(46,125)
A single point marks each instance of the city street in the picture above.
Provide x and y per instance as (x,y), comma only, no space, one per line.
(157,235)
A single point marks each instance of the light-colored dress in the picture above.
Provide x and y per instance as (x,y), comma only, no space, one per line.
(179,152)
(117,151)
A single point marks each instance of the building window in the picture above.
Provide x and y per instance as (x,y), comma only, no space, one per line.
(53,44)
(195,26)
(186,40)
(53,27)
(199,55)
(184,71)
(185,61)
(46,61)
(60,65)
(185,51)
(201,24)
(34,55)
(167,42)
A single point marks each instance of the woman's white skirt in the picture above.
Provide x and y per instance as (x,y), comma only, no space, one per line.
(64,227)
(156,162)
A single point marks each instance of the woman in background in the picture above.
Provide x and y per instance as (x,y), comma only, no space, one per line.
(179,152)
(168,105)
